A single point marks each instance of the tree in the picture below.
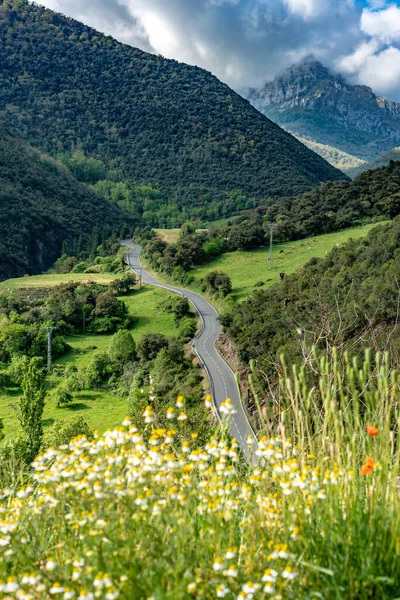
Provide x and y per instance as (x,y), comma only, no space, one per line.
(218,283)
(188,228)
(31,404)
(62,394)
(62,432)
(122,347)
(150,345)
(123,285)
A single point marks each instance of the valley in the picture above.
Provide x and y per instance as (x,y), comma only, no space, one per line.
(187,411)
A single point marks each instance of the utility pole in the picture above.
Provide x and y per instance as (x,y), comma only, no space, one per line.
(271,239)
(49,332)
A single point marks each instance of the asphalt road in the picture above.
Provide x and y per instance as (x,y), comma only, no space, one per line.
(221,377)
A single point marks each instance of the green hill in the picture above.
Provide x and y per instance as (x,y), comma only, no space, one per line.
(43,207)
(151,120)
(348,300)
(382,161)
(337,205)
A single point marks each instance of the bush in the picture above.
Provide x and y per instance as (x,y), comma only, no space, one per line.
(63,431)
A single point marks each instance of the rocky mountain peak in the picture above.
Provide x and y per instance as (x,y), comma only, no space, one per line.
(311,101)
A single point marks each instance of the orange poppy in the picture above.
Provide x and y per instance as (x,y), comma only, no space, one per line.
(372,431)
(369,466)
(366,469)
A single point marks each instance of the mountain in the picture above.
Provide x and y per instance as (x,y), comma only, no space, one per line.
(382,161)
(155,121)
(43,207)
(310,101)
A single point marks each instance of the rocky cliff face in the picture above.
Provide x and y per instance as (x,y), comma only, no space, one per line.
(308,100)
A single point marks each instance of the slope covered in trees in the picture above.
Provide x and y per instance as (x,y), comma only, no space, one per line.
(43,207)
(336,205)
(349,300)
(156,121)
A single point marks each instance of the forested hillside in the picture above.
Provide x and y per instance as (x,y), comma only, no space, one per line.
(155,121)
(338,205)
(349,300)
(43,207)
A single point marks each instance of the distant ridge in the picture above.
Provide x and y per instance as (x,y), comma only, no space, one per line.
(310,101)
(159,122)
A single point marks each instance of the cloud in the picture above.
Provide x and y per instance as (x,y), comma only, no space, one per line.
(382,71)
(247,42)
(383,24)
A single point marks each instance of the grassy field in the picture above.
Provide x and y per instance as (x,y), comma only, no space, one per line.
(52,279)
(99,408)
(248,268)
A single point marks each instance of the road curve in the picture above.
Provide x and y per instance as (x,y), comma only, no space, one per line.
(221,377)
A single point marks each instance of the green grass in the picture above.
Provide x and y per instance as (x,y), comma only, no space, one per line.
(99,408)
(52,279)
(248,268)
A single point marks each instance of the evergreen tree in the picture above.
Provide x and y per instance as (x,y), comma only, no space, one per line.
(31,405)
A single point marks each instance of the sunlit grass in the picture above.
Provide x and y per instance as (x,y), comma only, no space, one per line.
(248,268)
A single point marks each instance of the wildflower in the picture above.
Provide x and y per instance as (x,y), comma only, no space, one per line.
(227,407)
(208,401)
(85,595)
(148,415)
(112,594)
(68,594)
(5,540)
(372,431)
(11,585)
(50,564)
(222,591)
(170,413)
(231,553)
(250,587)
(288,573)
(218,564)
(268,589)
(231,572)
(56,589)
(270,575)
(30,579)
(180,402)
(368,467)
(127,422)
(191,588)
(182,416)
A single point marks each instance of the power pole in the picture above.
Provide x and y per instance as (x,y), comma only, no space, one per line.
(49,332)
(271,239)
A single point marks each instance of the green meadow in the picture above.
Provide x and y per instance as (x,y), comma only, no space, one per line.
(248,268)
(100,409)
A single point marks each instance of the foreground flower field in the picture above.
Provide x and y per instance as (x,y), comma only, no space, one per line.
(142,513)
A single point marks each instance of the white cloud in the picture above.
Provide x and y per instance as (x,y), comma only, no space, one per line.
(354,61)
(384,24)
(382,71)
(247,42)
(307,9)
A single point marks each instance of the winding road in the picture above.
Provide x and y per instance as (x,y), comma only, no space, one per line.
(222,380)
